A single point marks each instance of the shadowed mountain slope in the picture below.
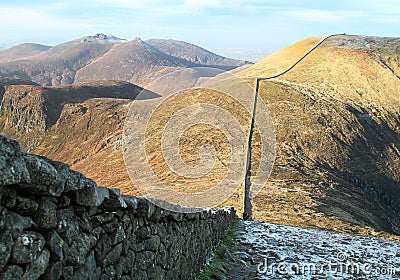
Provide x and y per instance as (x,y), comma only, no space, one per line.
(194,54)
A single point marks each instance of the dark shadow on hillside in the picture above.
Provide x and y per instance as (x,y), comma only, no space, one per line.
(366,195)
(225,68)
(56,97)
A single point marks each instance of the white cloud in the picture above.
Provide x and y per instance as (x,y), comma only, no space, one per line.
(25,24)
(29,17)
(311,15)
(381,6)
(196,4)
(135,4)
(341,16)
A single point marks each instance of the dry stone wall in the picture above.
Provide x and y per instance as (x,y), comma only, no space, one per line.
(57,224)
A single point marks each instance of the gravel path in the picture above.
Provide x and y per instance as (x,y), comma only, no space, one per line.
(268,251)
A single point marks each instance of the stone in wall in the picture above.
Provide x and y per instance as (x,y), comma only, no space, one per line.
(57,224)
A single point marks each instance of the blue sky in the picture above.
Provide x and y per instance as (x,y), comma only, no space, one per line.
(242,27)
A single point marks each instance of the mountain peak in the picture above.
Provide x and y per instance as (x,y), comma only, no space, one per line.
(101,37)
(138,39)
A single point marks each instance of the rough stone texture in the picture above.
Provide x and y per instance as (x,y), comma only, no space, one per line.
(16,223)
(6,244)
(27,247)
(12,272)
(54,271)
(55,243)
(80,247)
(12,165)
(25,206)
(92,196)
(44,179)
(38,266)
(57,224)
(46,215)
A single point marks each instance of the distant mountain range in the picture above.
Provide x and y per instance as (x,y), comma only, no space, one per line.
(103,57)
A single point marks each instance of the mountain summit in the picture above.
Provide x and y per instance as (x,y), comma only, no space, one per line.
(102,36)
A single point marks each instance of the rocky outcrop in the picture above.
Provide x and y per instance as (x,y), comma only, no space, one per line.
(57,224)
(32,108)
(22,108)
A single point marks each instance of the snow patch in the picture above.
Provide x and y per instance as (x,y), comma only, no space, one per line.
(277,251)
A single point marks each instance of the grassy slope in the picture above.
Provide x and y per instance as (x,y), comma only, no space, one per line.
(337,121)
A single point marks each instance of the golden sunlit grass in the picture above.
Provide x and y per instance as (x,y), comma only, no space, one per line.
(192,139)
(280,60)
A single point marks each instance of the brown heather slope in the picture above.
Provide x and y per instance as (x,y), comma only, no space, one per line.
(337,122)
(337,119)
